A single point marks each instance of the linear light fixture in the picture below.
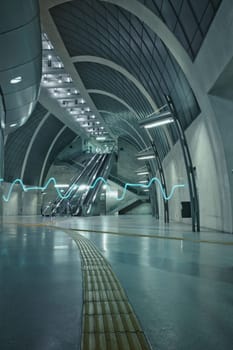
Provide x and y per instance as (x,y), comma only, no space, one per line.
(157,120)
(16,80)
(143,173)
(143,157)
(61,185)
(100,138)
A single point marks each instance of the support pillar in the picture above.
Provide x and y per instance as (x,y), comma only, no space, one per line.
(194,202)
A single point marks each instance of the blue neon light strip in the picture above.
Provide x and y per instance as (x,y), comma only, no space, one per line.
(75,187)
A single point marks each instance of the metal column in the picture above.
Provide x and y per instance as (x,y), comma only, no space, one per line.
(194,202)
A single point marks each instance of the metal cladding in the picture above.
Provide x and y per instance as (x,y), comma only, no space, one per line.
(20,61)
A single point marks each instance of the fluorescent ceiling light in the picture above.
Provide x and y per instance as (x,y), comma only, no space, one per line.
(16,80)
(12,125)
(61,185)
(143,181)
(100,138)
(143,173)
(149,156)
(158,123)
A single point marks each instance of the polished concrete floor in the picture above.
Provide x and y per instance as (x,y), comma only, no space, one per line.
(179,283)
(40,290)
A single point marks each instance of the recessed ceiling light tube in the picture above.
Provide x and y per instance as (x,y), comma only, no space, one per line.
(16,80)
(100,138)
(159,123)
(149,156)
(143,173)
(156,119)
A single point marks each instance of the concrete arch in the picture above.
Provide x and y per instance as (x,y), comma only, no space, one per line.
(31,143)
(120,69)
(48,153)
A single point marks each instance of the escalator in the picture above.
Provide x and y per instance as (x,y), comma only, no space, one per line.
(91,195)
(79,197)
(59,205)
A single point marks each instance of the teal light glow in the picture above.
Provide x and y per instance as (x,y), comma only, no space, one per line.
(75,187)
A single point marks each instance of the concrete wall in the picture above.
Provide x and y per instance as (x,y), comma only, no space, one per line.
(207,179)
(127,163)
(20,203)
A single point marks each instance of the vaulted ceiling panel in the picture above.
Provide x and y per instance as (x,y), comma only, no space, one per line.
(100,77)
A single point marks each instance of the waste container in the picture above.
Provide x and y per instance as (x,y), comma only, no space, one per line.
(186,209)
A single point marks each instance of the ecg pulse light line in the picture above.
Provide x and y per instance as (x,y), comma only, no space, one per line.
(75,187)
(154,179)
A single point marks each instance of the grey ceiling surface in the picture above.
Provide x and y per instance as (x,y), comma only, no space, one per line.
(108,104)
(100,77)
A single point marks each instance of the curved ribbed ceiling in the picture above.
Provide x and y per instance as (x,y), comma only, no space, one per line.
(104,30)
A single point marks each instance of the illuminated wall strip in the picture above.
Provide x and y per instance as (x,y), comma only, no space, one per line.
(74,187)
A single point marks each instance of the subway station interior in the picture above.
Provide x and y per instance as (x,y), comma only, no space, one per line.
(116,174)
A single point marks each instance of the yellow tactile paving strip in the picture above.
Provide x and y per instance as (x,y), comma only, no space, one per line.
(109,322)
